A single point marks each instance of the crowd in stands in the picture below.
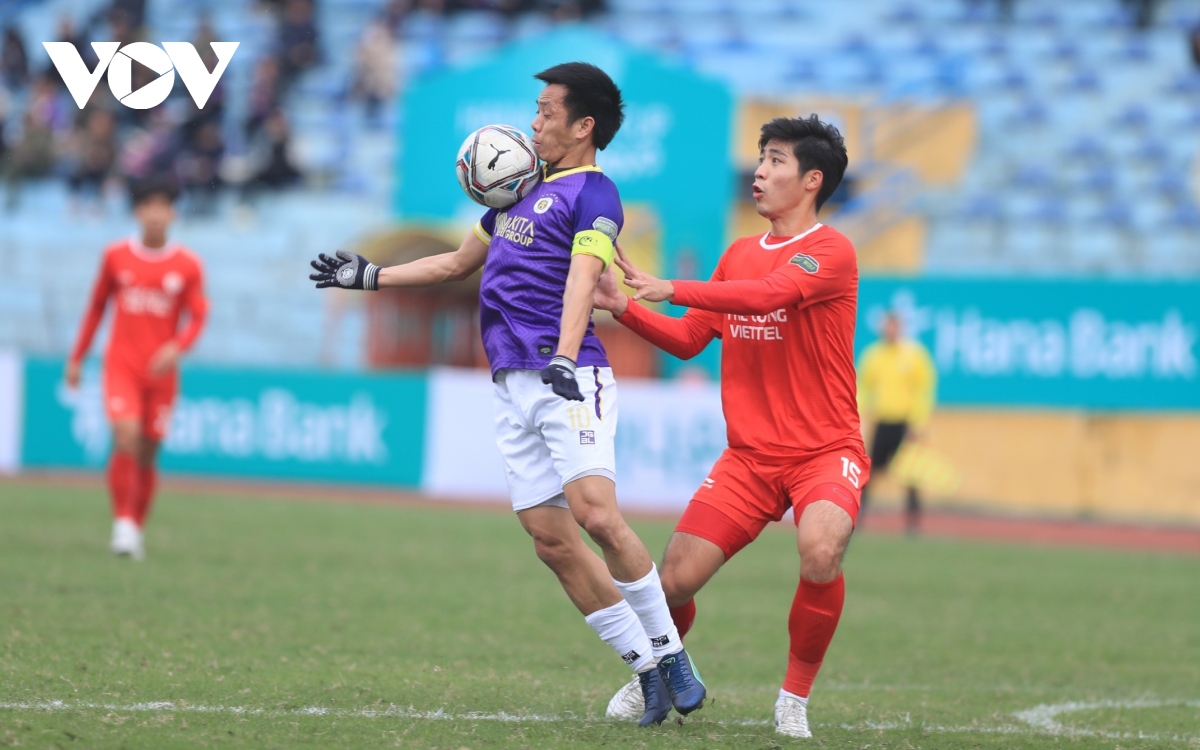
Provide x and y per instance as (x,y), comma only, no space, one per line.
(43,134)
(105,144)
(247,148)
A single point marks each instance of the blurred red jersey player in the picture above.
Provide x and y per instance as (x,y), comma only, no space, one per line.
(152,283)
(784,305)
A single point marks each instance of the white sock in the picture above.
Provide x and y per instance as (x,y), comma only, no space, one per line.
(647,599)
(785,694)
(618,626)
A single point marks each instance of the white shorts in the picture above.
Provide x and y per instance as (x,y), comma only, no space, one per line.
(547,441)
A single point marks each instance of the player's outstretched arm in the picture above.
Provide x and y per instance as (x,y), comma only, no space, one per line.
(749,297)
(681,337)
(825,271)
(350,271)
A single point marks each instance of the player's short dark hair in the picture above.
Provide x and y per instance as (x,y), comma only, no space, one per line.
(816,144)
(153,187)
(590,93)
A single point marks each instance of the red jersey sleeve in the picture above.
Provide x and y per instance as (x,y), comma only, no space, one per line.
(196,306)
(680,337)
(94,312)
(754,297)
(808,277)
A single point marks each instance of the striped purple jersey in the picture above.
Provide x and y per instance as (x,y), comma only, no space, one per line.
(520,296)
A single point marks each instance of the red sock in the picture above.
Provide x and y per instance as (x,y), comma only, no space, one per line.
(684,617)
(148,481)
(122,485)
(812,622)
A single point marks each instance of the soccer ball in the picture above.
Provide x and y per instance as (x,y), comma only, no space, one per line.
(497,166)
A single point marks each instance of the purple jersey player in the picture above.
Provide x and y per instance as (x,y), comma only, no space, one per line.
(554,394)
(521,296)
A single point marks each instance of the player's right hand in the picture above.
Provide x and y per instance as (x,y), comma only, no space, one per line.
(346,270)
(645,286)
(560,376)
(71,375)
(608,295)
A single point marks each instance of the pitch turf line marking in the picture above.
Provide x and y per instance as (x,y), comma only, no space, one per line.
(1045,716)
(369,713)
(1038,720)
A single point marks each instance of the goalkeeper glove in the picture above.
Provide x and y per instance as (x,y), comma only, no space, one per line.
(347,270)
(560,375)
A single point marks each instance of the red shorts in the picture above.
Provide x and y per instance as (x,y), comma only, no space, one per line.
(741,495)
(133,395)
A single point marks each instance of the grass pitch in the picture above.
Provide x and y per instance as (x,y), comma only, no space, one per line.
(268,624)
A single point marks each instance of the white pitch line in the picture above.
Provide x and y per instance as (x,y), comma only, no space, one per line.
(1044,718)
(1038,720)
(440,714)
(369,713)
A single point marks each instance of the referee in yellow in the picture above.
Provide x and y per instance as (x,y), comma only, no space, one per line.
(897,381)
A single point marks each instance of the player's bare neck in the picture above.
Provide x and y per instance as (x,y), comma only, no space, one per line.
(584,156)
(154,241)
(793,224)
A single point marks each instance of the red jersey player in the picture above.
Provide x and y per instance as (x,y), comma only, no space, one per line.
(152,283)
(784,304)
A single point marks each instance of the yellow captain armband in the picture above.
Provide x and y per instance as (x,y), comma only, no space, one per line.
(594,242)
(482,234)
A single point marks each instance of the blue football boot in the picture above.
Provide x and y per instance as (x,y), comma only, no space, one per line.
(656,696)
(683,682)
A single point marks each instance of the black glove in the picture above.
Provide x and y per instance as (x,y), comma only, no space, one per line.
(560,374)
(347,270)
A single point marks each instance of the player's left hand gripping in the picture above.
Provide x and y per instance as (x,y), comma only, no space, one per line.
(347,270)
(560,375)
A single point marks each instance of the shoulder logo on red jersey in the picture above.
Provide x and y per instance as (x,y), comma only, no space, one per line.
(807,262)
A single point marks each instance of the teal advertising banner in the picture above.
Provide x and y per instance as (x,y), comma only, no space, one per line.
(1106,345)
(271,424)
(671,158)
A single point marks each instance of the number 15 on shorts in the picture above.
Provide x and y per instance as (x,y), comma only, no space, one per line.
(851,471)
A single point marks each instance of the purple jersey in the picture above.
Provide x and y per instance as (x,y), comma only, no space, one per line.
(520,296)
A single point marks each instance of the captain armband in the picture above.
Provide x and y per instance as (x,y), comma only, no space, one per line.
(594,242)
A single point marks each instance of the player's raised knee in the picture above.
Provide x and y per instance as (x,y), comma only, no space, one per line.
(675,589)
(552,550)
(605,526)
(554,556)
(821,562)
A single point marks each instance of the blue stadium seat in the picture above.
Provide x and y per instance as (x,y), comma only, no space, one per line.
(982,208)
(1034,176)
(1186,215)
(1086,148)
(1115,214)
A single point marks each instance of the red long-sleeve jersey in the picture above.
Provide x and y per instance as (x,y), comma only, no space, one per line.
(152,289)
(785,310)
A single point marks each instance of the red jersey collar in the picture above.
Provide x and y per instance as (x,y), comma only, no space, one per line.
(767,245)
(154,255)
